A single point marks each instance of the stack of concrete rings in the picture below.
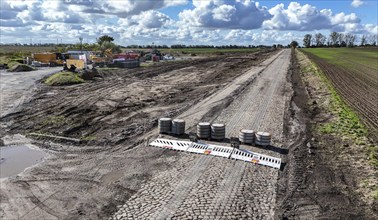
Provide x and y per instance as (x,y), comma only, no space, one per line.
(165,125)
(203,130)
(178,126)
(218,131)
(262,138)
(246,136)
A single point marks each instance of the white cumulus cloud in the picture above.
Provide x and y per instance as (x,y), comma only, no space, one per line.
(306,18)
(123,8)
(239,14)
(200,22)
(146,19)
(356,3)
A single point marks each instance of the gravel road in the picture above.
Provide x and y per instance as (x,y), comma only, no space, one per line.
(215,188)
(17,86)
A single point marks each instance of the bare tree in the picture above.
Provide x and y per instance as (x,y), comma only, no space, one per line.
(334,39)
(341,39)
(307,40)
(363,40)
(349,39)
(372,39)
(320,40)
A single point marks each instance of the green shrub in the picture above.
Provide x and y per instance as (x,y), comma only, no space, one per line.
(63,78)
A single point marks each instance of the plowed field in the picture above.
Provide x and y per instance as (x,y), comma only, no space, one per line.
(354,74)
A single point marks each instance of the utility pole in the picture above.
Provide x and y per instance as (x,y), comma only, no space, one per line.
(81,44)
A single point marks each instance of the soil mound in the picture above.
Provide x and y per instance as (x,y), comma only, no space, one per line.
(21,68)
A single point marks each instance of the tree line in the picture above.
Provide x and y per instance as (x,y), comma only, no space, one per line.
(336,39)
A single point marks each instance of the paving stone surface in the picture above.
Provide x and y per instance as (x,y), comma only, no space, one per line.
(207,187)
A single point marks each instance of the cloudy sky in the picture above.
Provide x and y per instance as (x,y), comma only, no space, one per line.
(218,22)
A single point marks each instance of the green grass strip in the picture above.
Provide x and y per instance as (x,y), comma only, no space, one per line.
(63,78)
(347,123)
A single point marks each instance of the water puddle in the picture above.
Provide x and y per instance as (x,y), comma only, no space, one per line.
(15,159)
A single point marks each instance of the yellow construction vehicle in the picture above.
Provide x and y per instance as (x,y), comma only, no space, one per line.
(52,59)
(104,60)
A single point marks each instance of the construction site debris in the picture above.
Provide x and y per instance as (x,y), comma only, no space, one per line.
(20,68)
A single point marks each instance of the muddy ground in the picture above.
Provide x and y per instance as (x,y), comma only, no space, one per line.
(99,176)
(88,181)
(125,103)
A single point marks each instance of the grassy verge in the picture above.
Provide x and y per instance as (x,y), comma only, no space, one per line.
(348,123)
(63,78)
(344,124)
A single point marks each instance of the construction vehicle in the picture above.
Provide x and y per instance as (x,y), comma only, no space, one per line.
(153,55)
(51,59)
(79,64)
(130,55)
(79,52)
(102,60)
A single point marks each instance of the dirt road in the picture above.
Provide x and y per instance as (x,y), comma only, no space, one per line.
(116,174)
(18,86)
(208,187)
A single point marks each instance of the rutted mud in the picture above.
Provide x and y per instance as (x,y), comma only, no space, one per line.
(125,103)
(88,181)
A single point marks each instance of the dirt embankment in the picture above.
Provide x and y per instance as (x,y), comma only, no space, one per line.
(125,103)
(321,180)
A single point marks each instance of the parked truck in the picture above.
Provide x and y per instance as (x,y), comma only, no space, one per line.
(51,59)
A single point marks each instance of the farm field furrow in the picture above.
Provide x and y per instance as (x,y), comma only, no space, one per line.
(353,72)
(356,95)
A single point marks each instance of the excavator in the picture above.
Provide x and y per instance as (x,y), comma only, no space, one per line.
(104,60)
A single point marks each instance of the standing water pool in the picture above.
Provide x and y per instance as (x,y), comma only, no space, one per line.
(15,159)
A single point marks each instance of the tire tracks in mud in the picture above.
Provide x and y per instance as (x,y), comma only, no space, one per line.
(101,164)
